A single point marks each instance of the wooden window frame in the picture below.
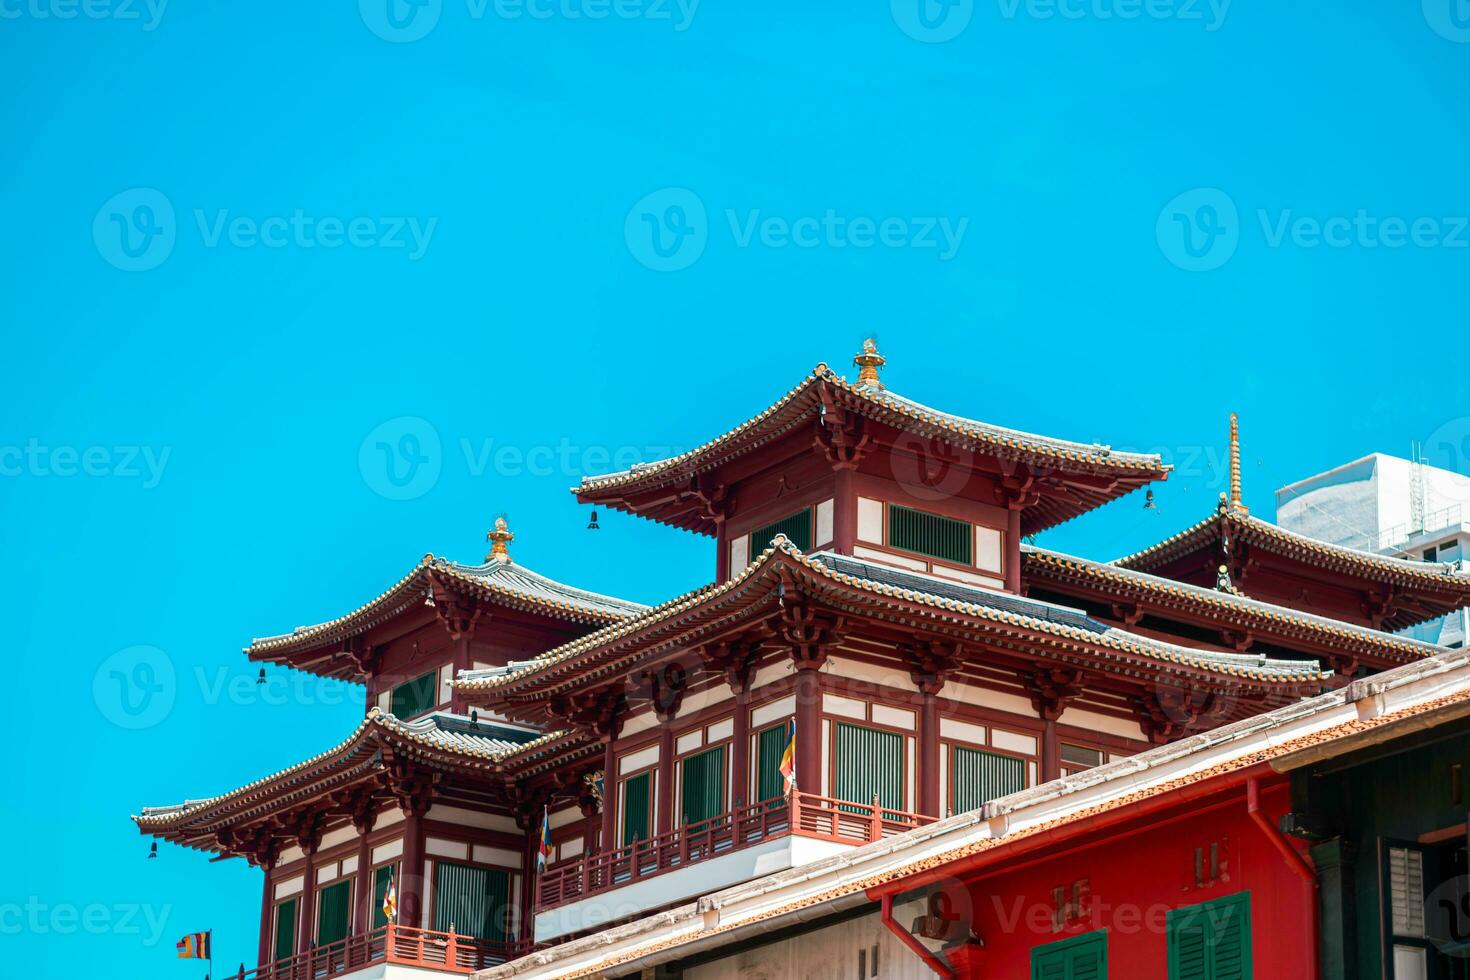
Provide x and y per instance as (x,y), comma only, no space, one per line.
(949,747)
(510,889)
(622,822)
(830,729)
(973,568)
(434,702)
(275,925)
(753,548)
(319,892)
(1097,937)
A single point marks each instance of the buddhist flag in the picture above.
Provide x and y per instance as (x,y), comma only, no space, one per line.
(390,900)
(543,850)
(788,757)
(194,946)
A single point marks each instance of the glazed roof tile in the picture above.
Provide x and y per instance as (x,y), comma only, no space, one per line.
(500,578)
(1117,574)
(927,590)
(898,409)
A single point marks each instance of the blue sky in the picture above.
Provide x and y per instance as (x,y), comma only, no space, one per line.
(246,243)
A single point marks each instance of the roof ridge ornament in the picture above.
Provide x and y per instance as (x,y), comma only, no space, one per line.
(499,538)
(1235,501)
(868,363)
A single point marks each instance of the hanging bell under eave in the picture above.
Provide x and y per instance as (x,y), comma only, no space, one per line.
(1148,501)
(153,850)
(592,524)
(260,678)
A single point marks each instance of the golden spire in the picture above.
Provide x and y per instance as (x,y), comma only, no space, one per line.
(1235,464)
(868,362)
(499,538)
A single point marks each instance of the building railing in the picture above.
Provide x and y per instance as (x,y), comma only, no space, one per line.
(802,814)
(1401,534)
(446,952)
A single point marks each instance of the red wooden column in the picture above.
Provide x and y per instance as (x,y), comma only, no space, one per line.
(740,750)
(608,841)
(306,911)
(930,666)
(266,903)
(411,873)
(809,728)
(928,794)
(844,512)
(363,823)
(1011,554)
(1051,690)
(664,801)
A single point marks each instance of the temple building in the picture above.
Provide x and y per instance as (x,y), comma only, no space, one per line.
(874,609)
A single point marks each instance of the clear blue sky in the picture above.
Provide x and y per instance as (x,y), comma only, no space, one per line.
(184,406)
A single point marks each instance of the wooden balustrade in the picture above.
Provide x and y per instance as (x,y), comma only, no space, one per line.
(446,952)
(802,814)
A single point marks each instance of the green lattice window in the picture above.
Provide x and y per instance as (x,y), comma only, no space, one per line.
(637,807)
(1211,941)
(702,785)
(471,901)
(381,878)
(416,696)
(1079,958)
(868,762)
(285,946)
(797,527)
(333,913)
(980,776)
(770,745)
(929,534)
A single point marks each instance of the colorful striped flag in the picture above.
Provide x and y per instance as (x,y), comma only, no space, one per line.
(543,850)
(390,900)
(788,757)
(194,946)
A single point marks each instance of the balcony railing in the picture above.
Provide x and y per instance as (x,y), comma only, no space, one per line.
(446,952)
(802,814)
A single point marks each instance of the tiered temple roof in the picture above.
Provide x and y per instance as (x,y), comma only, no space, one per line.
(1070,478)
(499,581)
(361,769)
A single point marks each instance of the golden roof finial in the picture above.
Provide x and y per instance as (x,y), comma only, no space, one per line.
(1235,464)
(499,538)
(868,362)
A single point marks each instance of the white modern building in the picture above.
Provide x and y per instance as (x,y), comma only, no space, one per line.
(1390,506)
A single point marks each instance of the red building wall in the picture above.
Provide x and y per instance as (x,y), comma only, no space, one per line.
(1133,878)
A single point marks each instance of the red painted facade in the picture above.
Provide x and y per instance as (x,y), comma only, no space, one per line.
(1123,872)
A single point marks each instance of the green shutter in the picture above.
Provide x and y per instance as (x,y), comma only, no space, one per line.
(636,806)
(929,534)
(1211,941)
(380,891)
(797,527)
(770,745)
(286,929)
(868,762)
(703,785)
(334,913)
(414,697)
(980,776)
(471,900)
(1082,957)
